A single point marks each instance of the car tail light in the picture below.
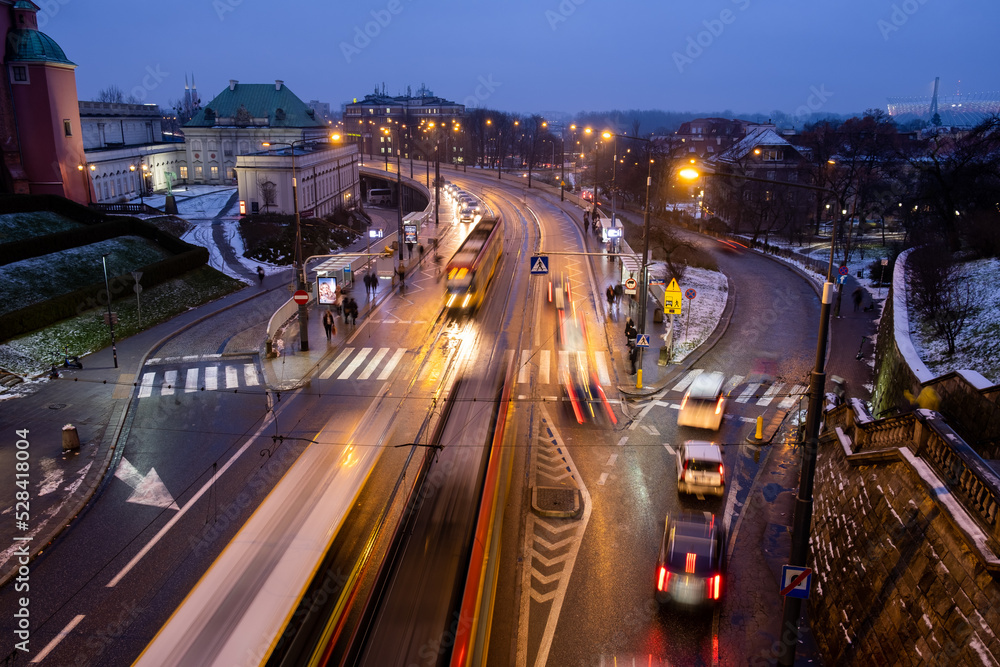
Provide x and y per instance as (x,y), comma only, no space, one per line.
(722,473)
(663,580)
(718,406)
(714,587)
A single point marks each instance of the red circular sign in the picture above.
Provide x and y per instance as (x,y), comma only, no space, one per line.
(690,293)
(301,297)
(631,283)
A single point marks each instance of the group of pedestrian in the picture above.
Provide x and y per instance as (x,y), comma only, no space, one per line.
(371,285)
(349,308)
(614,295)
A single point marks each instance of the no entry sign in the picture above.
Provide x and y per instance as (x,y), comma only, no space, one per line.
(301,296)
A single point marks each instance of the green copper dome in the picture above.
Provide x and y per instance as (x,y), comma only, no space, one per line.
(34,46)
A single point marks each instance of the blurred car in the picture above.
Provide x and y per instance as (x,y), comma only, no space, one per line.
(703,403)
(466,214)
(699,468)
(692,560)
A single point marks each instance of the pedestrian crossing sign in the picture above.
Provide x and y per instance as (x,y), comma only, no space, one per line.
(539,264)
(642,340)
(672,298)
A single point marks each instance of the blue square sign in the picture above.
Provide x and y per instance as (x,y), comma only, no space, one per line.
(795,581)
(539,264)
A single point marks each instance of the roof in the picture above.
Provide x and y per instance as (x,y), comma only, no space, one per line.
(702,450)
(34,46)
(281,107)
(762,136)
(707,385)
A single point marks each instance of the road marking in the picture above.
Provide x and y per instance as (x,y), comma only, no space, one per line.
(686,380)
(146,390)
(169,380)
(522,373)
(58,638)
(650,429)
(373,364)
(748,392)
(794,395)
(147,489)
(391,366)
(336,363)
(670,449)
(250,375)
(191,380)
(603,479)
(622,441)
(563,359)
(770,394)
(602,367)
(544,362)
(357,361)
(211,378)
(232,378)
(733,382)
(611,460)
(190,357)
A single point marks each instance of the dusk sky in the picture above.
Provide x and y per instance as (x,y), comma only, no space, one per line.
(839,56)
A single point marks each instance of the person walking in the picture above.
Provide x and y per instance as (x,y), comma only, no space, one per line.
(610,293)
(630,332)
(619,291)
(260,274)
(401,273)
(352,309)
(858,295)
(328,324)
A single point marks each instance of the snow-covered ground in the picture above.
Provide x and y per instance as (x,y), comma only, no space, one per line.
(200,201)
(699,316)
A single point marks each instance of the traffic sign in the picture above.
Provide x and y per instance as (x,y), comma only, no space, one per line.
(795,581)
(301,297)
(672,298)
(841,280)
(690,293)
(539,265)
(843,270)
(642,340)
(631,283)
(656,282)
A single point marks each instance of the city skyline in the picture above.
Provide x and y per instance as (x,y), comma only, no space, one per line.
(569,56)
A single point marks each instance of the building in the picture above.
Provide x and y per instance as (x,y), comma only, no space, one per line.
(327,177)
(40,134)
(238,121)
(702,138)
(407,114)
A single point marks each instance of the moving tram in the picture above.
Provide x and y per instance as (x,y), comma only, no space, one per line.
(472,267)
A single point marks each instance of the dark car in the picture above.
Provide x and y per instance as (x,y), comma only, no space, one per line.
(691,567)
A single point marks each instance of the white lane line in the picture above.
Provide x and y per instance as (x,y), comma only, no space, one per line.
(146,390)
(686,380)
(793,395)
(232,378)
(747,393)
(670,449)
(600,358)
(191,380)
(732,383)
(544,362)
(391,366)
(611,460)
(58,638)
(373,364)
(341,358)
(194,499)
(563,359)
(169,382)
(770,394)
(603,479)
(250,375)
(190,357)
(622,441)
(522,373)
(355,363)
(211,378)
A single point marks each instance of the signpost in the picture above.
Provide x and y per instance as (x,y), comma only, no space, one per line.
(672,298)
(631,285)
(301,297)
(137,289)
(690,293)
(539,265)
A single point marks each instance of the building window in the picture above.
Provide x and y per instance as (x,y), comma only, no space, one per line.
(215,172)
(230,173)
(772,154)
(20,74)
(184,173)
(197,173)
(67,127)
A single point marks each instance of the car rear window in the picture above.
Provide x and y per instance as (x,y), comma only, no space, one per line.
(703,466)
(700,547)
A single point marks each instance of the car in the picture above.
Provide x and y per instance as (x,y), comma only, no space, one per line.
(700,470)
(692,561)
(466,214)
(703,403)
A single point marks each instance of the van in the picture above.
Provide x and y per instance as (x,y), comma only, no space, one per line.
(703,403)
(699,468)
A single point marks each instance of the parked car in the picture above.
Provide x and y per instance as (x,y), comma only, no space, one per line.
(691,566)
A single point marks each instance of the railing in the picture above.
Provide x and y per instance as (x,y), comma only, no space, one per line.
(129,207)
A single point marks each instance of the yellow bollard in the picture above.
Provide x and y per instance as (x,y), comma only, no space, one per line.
(760,429)
(638,379)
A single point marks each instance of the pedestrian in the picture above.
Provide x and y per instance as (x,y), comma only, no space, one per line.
(401,274)
(260,274)
(611,296)
(421,249)
(619,291)
(328,324)
(338,303)
(352,308)
(633,356)
(630,332)
(858,295)
(409,249)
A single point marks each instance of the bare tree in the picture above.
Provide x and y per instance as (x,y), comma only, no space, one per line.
(115,95)
(268,193)
(941,295)
(664,238)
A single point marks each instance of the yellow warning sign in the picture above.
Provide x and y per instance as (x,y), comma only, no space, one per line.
(672,298)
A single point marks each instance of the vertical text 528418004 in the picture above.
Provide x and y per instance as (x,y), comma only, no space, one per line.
(22,508)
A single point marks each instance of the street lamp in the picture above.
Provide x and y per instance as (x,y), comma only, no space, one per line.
(87,182)
(399,193)
(111,317)
(804,500)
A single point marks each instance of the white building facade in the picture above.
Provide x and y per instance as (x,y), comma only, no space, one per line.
(327,179)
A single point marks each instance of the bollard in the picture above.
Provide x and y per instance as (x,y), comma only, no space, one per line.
(760,428)
(638,379)
(70,438)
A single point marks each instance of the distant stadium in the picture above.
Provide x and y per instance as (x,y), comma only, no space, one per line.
(961,109)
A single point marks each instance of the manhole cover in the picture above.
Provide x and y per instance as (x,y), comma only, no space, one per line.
(556,501)
(57,406)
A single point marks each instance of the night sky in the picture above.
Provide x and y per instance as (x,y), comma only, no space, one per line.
(838,56)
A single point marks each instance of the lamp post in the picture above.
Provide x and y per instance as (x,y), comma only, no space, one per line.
(792,610)
(111,319)
(399,194)
(86,181)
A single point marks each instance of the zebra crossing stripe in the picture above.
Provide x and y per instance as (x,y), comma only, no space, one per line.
(373,364)
(355,363)
(732,384)
(563,359)
(793,396)
(748,392)
(191,380)
(602,367)
(169,381)
(770,394)
(391,366)
(687,379)
(211,378)
(341,358)
(522,373)
(146,389)
(544,363)
(232,378)
(249,375)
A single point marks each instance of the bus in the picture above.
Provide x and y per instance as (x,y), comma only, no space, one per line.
(380,197)
(473,265)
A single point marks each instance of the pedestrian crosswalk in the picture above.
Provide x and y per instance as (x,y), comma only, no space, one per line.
(351,359)
(757,392)
(212,376)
